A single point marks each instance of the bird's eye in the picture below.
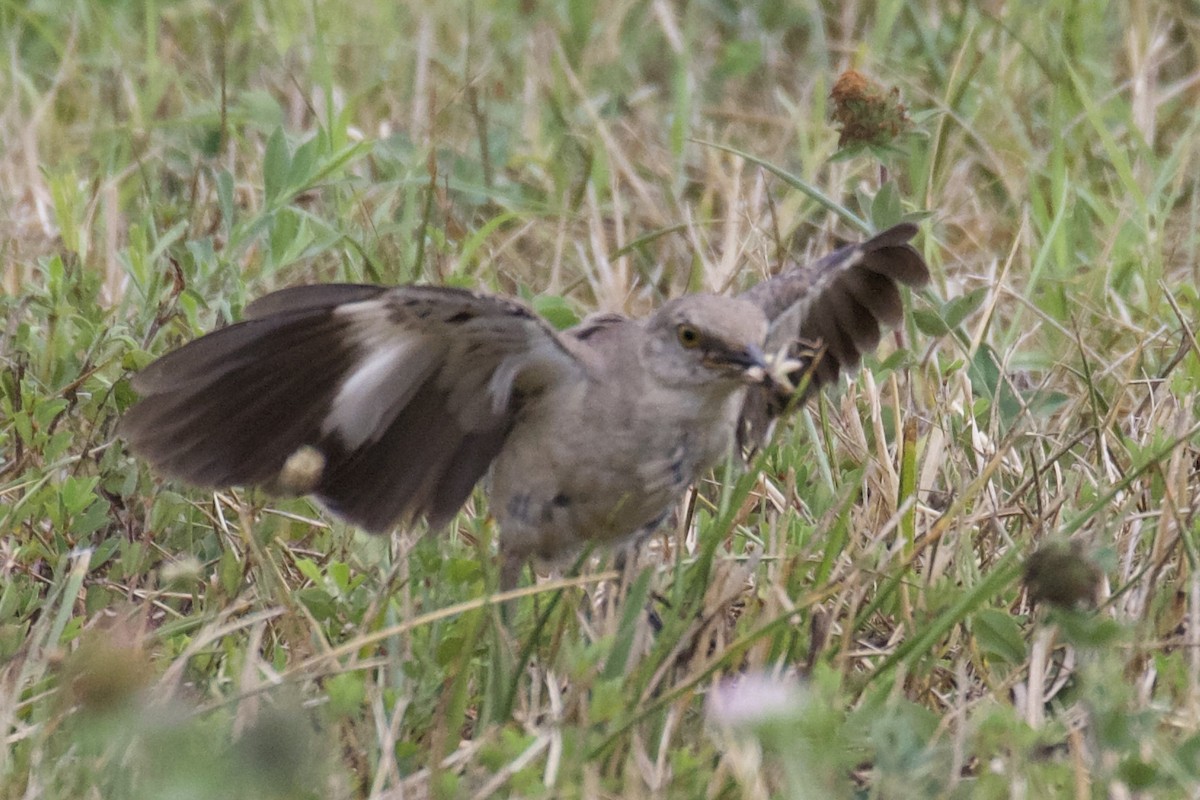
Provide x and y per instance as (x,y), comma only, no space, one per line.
(689,337)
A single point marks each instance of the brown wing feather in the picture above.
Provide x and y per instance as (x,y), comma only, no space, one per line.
(417,467)
(403,396)
(311,297)
(836,307)
(230,407)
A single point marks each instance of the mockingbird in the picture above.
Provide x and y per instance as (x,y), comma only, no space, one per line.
(391,403)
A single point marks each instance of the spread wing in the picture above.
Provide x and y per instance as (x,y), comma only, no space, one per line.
(832,312)
(386,403)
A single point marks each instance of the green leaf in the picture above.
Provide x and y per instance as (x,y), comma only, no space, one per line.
(310,570)
(276,165)
(285,229)
(230,572)
(92,519)
(77,493)
(1138,774)
(999,635)
(555,310)
(471,244)
(463,570)
(449,648)
(225,200)
(1045,403)
(988,381)
(339,573)
(57,444)
(886,208)
(959,308)
(346,693)
(318,602)
(1087,629)
(105,551)
(301,170)
(985,372)
(929,322)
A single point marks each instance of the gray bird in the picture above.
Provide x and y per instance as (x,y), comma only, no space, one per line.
(390,403)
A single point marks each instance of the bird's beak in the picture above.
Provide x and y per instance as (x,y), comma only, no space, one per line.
(750,363)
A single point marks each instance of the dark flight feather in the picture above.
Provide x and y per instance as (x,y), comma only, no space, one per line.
(388,390)
(835,308)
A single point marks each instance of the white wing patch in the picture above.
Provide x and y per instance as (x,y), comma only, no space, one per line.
(378,387)
(479,362)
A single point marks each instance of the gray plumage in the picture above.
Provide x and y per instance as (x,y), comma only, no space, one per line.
(390,404)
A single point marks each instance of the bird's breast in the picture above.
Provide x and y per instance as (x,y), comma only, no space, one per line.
(583,467)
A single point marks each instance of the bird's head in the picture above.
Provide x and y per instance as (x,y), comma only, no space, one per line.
(707,339)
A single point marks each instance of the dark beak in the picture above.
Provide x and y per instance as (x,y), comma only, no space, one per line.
(750,363)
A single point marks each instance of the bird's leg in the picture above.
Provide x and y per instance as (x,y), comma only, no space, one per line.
(625,561)
(511,566)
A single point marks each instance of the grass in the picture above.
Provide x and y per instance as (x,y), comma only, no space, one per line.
(164,163)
